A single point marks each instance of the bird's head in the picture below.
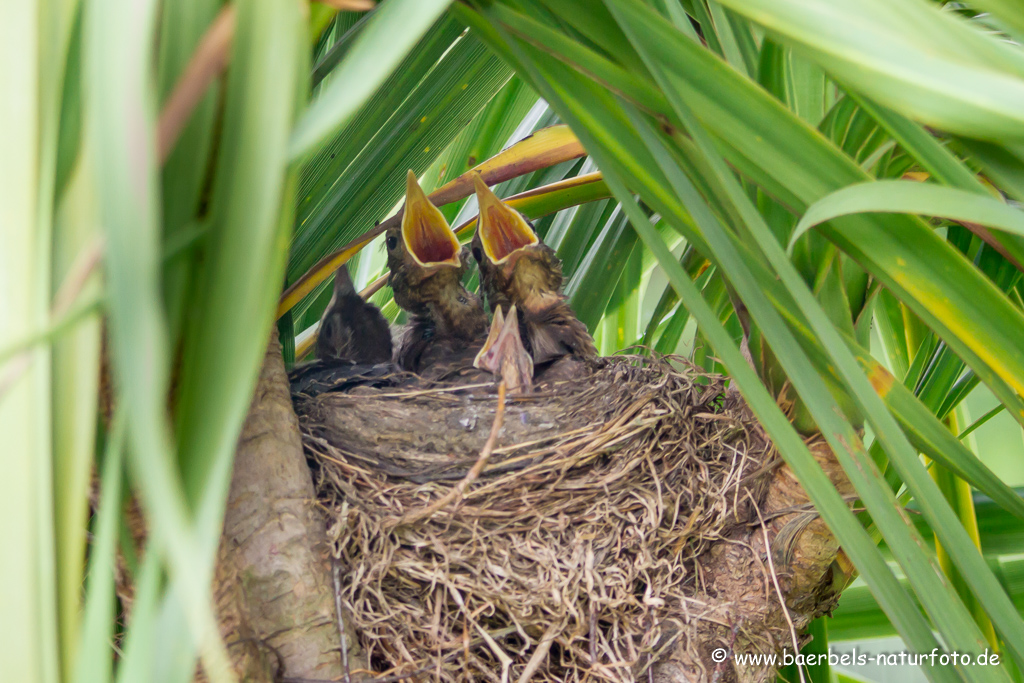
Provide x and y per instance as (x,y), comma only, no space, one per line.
(516,267)
(424,254)
(332,337)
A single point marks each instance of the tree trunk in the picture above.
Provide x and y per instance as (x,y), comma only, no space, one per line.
(742,586)
(274,585)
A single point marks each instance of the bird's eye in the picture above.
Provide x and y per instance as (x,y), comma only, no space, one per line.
(478,255)
(392,242)
(462,299)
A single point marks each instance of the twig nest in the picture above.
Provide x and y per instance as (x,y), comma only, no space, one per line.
(574,551)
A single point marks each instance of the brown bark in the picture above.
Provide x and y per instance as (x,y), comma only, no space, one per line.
(274,585)
(742,583)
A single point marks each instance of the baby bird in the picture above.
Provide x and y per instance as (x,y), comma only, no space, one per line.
(427,264)
(503,354)
(518,269)
(352,329)
(353,345)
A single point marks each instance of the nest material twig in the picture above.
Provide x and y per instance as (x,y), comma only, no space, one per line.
(577,549)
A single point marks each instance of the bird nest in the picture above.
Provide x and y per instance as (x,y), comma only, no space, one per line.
(565,546)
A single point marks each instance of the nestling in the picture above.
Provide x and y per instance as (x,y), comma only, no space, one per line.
(353,344)
(427,264)
(503,354)
(352,329)
(518,269)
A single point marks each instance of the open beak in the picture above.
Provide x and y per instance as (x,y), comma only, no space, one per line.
(503,231)
(504,355)
(427,235)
